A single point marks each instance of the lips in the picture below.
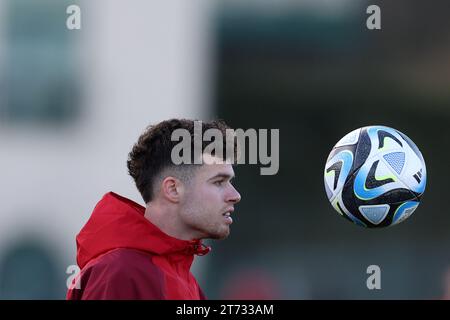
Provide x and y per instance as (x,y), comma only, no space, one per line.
(227,215)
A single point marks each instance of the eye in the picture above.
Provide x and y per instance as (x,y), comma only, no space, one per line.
(219,182)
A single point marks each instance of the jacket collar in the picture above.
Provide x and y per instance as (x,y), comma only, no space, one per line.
(118,222)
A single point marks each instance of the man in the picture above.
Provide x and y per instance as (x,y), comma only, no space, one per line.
(126,251)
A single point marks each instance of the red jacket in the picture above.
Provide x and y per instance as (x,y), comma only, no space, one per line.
(122,255)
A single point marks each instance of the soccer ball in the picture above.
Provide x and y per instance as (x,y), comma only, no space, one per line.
(375,176)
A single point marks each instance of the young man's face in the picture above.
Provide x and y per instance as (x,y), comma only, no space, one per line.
(208,201)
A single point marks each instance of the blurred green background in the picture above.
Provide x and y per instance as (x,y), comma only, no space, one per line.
(72,103)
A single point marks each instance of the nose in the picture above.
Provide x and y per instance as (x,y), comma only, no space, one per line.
(234,196)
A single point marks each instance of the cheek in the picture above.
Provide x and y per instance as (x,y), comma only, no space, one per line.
(206,197)
(213,195)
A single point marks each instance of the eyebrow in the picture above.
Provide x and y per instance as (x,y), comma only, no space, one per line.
(222,175)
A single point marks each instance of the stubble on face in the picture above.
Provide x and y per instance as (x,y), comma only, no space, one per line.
(204,205)
(203,215)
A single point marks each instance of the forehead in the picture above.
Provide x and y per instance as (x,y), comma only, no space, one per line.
(213,166)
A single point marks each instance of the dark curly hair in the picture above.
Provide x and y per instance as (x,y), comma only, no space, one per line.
(151,155)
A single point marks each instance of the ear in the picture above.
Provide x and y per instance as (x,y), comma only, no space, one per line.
(172,189)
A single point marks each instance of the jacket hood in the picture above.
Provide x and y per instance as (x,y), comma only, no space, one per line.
(118,222)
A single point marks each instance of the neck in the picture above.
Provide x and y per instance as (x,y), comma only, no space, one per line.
(167,221)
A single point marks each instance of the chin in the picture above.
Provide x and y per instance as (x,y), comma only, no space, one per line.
(224,236)
(220,235)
